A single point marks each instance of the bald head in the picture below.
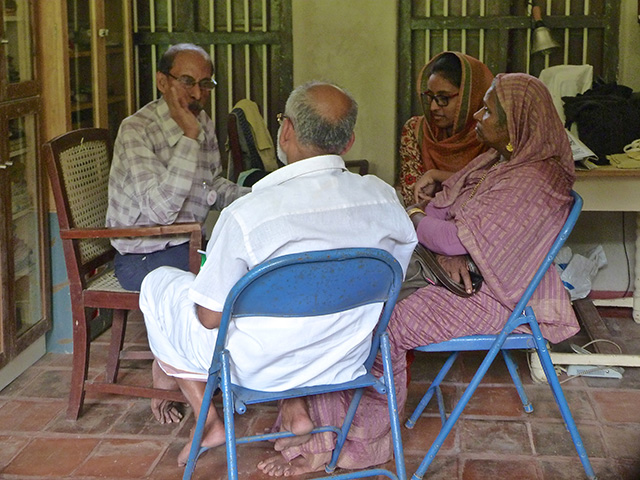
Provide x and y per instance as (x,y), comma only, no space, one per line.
(323,116)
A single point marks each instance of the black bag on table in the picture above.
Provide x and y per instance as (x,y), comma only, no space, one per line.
(607,116)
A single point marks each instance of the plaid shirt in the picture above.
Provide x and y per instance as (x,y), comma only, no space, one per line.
(159,177)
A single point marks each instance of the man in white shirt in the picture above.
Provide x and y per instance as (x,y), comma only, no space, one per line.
(313,203)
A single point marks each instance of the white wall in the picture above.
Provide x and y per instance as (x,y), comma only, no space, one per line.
(629,45)
(353,43)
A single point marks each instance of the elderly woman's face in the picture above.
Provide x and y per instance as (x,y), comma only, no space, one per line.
(442,100)
(490,130)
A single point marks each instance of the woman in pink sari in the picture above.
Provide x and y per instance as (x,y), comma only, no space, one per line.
(505,210)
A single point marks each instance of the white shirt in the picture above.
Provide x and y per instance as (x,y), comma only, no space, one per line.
(313,204)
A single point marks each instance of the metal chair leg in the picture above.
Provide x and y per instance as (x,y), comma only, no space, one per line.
(392,403)
(457,410)
(517,381)
(410,423)
(552,378)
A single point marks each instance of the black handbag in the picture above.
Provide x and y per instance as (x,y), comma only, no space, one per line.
(424,270)
(608,118)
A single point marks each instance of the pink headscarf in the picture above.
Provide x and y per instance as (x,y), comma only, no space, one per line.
(535,131)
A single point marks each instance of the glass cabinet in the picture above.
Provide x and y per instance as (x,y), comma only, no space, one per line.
(99,62)
(17,67)
(24,316)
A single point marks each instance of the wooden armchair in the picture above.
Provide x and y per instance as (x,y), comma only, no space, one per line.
(78,165)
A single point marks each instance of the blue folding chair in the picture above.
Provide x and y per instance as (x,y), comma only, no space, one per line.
(308,284)
(503,342)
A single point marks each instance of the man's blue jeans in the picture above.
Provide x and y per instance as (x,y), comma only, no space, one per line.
(131,268)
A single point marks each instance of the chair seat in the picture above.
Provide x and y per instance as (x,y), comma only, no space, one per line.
(515,341)
(106,281)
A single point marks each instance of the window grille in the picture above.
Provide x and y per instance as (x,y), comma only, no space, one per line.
(248,40)
(498,32)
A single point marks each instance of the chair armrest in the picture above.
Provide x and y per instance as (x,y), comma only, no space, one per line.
(192,228)
(115,232)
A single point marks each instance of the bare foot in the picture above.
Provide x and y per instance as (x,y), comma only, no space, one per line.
(165,411)
(279,467)
(213,436)
(295,419)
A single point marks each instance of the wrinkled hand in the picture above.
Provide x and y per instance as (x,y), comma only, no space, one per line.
(425,188)
(457,268)
(178,99)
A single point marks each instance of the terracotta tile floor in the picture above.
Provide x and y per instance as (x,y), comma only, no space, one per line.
(117,438)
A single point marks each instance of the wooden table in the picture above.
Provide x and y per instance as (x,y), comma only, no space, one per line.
(611,189)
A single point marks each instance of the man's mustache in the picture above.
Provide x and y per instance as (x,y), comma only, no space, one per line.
(195,107)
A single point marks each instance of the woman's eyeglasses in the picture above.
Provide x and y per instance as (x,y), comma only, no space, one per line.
(441,100)
(190,82)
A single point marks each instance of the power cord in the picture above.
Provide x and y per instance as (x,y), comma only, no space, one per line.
(626,256)
(583,350)
(559,369)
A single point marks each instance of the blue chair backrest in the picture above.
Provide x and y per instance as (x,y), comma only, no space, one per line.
(316,283)
(551,255)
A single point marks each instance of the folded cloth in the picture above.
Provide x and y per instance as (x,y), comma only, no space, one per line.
(633,149)
(566,81)
(623,160)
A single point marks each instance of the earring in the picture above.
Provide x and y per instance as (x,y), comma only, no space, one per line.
(509,147)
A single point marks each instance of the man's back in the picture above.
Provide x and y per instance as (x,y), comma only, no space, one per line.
(315,204)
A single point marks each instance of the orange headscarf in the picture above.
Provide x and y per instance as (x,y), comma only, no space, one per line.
(453,153)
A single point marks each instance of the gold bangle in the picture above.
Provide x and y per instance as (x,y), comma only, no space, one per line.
(414,210)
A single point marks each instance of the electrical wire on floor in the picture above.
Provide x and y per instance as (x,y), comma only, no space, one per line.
(597,367)
(559,369)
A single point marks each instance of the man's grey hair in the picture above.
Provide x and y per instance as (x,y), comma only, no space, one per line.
(330,136)
(166,61)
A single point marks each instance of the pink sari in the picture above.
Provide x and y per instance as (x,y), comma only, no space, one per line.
(507,227)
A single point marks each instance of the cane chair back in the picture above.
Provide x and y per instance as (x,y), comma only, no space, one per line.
(85,172)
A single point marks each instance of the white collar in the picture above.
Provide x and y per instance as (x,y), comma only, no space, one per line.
(301,167)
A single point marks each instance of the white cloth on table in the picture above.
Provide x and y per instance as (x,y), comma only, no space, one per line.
(313,204)
(566,81)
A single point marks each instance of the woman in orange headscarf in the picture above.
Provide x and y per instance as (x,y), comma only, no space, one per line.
(443,140)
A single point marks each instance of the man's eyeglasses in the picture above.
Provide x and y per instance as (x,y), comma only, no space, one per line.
(441,100)
(280,117)
(190,82)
